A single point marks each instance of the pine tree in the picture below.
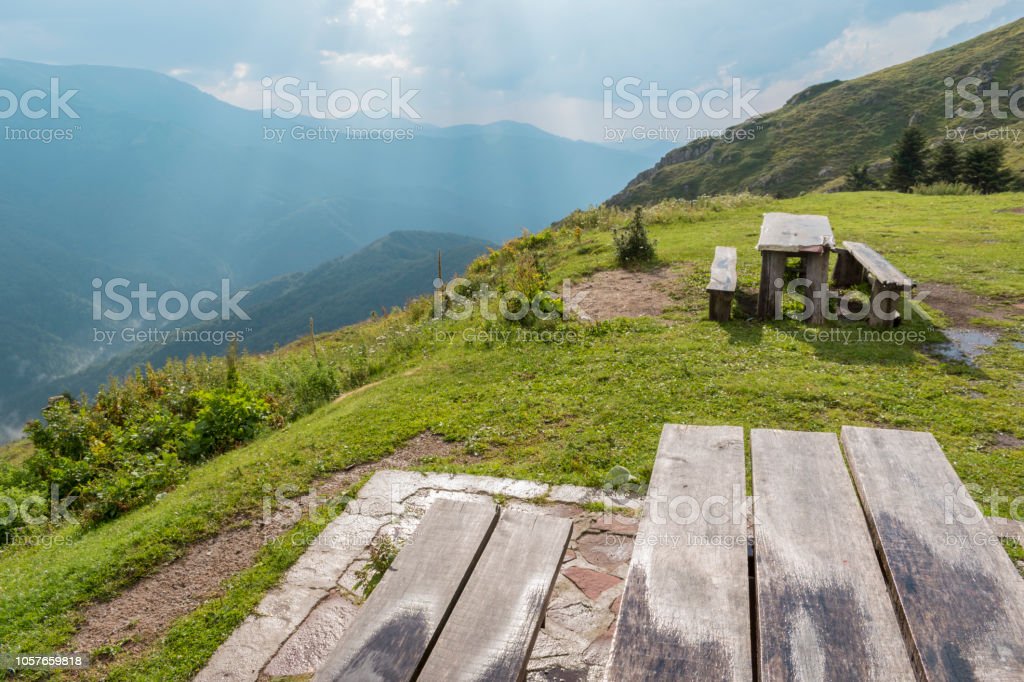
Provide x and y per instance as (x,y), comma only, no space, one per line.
(947,165)
(908,160)
(983,169)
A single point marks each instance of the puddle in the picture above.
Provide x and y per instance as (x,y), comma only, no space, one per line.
(1019,345)
(964,345)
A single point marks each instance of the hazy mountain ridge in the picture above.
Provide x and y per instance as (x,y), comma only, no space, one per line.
(165,184)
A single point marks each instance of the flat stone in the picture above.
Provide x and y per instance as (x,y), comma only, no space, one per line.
(559,674)
(605,550)
(246,651)
(583,620)
(547,646)
(616,605)
(569,555)
(308,647)
(572,494)
(616,523)
(601,648)
(591,583)
(290,603)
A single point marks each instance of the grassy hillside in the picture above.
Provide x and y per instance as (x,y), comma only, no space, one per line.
(521,406)
(815,138)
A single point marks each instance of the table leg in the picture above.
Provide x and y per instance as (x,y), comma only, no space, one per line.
(773,267)
(817,276)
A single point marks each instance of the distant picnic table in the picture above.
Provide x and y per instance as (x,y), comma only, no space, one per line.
(785,235)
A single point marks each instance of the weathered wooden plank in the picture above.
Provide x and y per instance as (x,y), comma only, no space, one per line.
(723,269)
(722,287)
(959,596)
(685,613)
(882,312)
(395,628)
(880,268)
(791,233)
(817,288)
(769,295)
(491,632)
(823,610)
(848,272)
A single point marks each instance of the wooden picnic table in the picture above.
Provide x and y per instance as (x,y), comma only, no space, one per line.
(883,570)
(786,235)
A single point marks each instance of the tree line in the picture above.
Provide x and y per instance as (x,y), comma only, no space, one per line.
(979,168)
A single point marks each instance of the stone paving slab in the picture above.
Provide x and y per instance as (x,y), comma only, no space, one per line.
(297,624)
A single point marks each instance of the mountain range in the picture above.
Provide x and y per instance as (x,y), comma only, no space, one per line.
(146,178)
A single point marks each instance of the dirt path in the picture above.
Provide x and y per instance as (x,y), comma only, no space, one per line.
(961,306)
(623,293)
(137,617)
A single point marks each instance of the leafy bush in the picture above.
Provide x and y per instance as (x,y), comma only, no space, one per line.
(226,418)
(632,245)
(16,490)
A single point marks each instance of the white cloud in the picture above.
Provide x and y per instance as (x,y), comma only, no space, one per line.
(361,60)
(863,48)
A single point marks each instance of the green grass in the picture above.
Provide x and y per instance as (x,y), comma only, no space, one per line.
(15,453)
(568,413)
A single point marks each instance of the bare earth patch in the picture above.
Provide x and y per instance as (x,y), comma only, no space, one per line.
(142,613)
(1006,441)
(961,306)
(626,293)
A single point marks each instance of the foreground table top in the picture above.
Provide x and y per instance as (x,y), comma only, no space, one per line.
(884,571)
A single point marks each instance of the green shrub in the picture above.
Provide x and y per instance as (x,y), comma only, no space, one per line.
(632,245)
(226,418)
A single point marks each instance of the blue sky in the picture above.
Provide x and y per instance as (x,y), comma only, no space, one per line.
(538,61)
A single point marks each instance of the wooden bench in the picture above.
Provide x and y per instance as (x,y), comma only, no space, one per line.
(685,612)
(465,596)
(893,575)
(857,263)
(722,287)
